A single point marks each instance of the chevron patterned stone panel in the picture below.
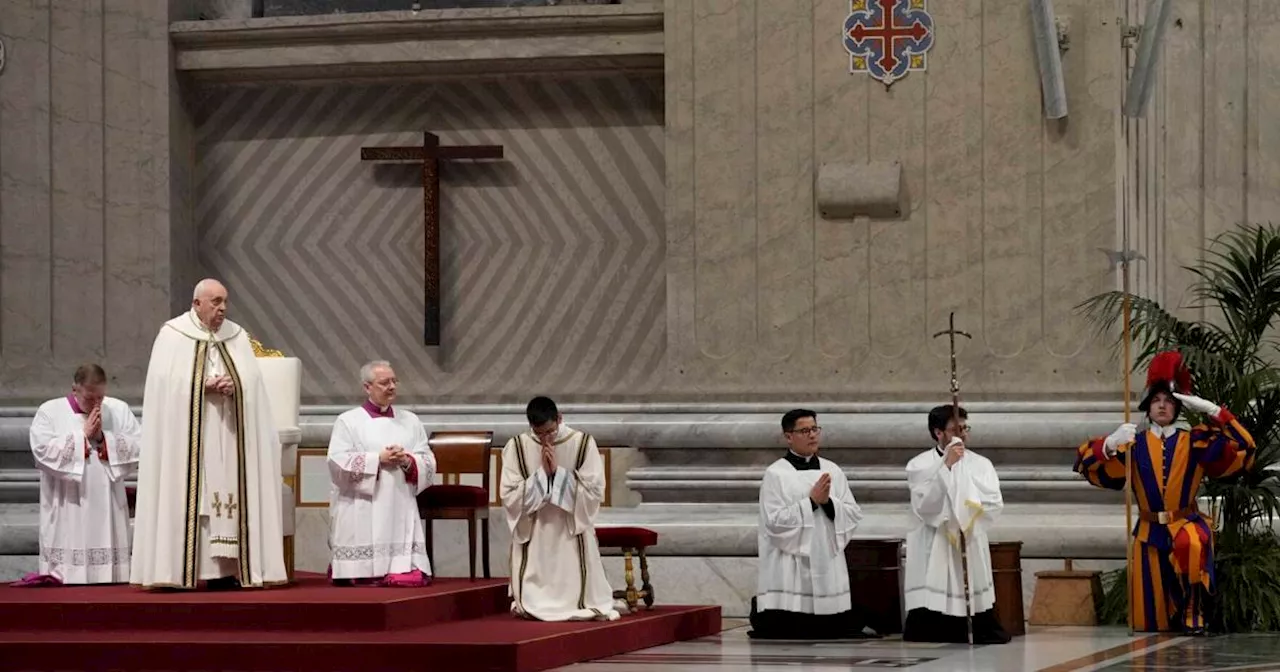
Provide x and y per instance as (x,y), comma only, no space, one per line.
(552,260)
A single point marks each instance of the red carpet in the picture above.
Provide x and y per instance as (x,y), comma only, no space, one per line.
(455,624)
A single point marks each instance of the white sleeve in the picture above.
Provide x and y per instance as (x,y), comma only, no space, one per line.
(424,460)
(930,483)
(848,513)
(58,453)
(978,502)
(124,445)
(787,524)
(352,470)
(522,496)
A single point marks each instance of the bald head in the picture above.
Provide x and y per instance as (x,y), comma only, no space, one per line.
(209,300)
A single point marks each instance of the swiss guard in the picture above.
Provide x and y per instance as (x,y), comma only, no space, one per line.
(1171,556)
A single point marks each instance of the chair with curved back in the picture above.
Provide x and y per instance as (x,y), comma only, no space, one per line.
(458,453)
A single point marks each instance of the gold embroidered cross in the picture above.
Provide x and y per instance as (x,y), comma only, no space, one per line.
(217,505)
(231,506)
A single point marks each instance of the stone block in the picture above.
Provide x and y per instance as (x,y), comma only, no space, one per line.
(873,189)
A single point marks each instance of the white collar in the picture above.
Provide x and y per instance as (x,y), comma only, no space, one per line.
(1166,432)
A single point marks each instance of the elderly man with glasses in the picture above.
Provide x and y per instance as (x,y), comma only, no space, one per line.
(807,515)
(955,497)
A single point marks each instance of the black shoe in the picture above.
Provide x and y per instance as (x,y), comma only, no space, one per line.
(224,583)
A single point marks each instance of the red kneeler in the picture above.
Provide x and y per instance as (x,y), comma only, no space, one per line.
(631,540)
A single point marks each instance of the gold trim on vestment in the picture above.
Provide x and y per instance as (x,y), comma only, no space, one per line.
(582,542)
(524,548)
(242,477)
(195,457)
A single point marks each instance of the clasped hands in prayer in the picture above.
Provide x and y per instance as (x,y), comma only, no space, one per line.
(549,458)
(93,432)
(1128,432)
(395,456)
(821,492)
(221,384)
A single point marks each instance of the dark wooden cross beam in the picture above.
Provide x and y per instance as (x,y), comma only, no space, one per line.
(429,155)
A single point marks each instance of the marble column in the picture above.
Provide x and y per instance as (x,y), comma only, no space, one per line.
(92,221)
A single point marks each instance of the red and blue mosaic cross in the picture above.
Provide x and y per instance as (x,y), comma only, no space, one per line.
(888,38)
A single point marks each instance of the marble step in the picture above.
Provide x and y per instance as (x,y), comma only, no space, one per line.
(1046,530)
(688,483)
(998,425)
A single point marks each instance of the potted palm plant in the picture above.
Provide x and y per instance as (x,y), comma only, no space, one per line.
(1233,350)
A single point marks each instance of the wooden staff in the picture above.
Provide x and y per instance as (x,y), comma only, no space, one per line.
(951,333)
(1128,463)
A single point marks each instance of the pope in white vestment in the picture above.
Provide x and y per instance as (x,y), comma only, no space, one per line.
(552,486)
(379,460)
(208,503)
(85,445)
(955,493)
(807,516)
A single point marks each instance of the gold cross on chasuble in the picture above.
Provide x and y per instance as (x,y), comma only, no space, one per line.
(429,156)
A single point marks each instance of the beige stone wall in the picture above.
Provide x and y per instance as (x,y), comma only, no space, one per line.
(1207,157)
(1007,212)
(1007,217)
(89,241)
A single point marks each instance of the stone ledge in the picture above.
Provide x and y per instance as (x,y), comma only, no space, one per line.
(1046,530)
(686,483)
(699,434)
(729,530)
(381,46)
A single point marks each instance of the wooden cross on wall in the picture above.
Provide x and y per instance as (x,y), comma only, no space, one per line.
(429,155)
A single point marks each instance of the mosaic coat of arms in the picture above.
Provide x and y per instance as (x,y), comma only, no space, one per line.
(888,38)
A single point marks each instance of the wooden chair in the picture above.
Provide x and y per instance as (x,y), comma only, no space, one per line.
(460,453)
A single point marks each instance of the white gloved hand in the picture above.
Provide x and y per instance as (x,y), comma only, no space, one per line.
(1124,434)
(1201,406)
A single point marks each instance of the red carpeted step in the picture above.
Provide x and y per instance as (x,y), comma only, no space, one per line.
(310,604)
(497,643)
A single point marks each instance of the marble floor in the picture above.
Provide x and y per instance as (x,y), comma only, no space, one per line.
(1059,649)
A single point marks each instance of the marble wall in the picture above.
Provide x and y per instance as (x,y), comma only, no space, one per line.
(93,159)
(552,276)
(1006,217)
(704,271)
(1207,157)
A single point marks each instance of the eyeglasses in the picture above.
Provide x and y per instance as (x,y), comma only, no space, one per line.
(806,431)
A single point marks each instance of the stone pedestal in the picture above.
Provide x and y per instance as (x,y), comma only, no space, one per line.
(875,578)
(1066,597)
(1006,568)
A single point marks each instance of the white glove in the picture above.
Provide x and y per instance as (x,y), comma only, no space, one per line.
(1125,433)
(1201,406)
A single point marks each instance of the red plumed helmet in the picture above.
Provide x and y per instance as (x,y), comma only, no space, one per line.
(1167,373)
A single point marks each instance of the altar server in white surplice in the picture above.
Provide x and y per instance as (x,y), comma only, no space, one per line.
(953,490)
(379,460)
(552,486)
(807,515)
(86,444)
(208,505)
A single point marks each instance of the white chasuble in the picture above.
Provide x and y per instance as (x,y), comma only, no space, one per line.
(374,527)
(208,502)
(84,510)
(556,570)
(801,550)
(965,498)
